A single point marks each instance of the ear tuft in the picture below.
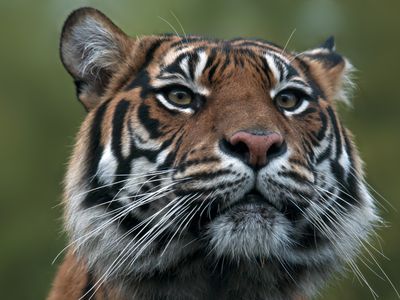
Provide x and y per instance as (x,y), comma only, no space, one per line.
(332,71)
(92,48)
(346,84)
(329,44)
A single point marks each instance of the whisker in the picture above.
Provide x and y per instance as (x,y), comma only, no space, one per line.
(149,198)
(178,229)
(179,23)
(110,269)
(287,42)
(170,25)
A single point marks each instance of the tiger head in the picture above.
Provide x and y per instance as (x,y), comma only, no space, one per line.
(200,153)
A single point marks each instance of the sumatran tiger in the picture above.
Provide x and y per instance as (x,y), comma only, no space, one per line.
(207,168)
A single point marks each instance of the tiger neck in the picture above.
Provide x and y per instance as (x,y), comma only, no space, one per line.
(196,279)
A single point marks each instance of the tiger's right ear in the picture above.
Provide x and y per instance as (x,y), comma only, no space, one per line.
(92,48)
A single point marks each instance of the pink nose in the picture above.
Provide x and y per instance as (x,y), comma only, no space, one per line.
(257,149)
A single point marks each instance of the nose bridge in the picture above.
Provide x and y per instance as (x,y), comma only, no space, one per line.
(243,104)
(250,113)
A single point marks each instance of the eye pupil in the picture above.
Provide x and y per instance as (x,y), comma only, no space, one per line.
(179,97)
(287,100)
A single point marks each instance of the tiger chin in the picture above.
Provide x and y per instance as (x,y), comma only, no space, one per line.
(207,169)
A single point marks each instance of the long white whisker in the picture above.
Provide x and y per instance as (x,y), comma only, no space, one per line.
(107,273)
(287,42)
(179,23)
(149,197)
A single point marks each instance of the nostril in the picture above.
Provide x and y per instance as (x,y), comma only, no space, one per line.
(239,149)
(254,149)
(276,150)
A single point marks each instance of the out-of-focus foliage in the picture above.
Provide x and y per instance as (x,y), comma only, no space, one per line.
(39,114)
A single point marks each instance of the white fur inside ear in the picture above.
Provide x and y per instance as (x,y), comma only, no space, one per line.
(94,47)
(347,84)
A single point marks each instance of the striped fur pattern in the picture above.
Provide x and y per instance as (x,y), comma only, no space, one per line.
(155,204)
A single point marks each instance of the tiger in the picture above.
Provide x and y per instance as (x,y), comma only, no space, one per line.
(207,168)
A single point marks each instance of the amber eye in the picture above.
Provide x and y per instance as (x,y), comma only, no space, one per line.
(180,97)
(287,100)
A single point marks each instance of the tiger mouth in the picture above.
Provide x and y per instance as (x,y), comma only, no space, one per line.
(253,197)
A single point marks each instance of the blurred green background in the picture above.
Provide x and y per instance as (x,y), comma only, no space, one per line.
(39,114)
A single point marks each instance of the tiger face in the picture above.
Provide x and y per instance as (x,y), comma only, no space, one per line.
(211,156)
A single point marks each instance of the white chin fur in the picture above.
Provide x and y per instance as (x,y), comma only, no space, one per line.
(249,231)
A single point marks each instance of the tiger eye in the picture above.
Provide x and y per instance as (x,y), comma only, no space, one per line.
(179,97)
(287,100)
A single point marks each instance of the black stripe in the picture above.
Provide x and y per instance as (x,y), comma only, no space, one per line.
(289,189)
(299,162)
(324,155)
(267,71)
(279,63)
(309,110)
(212,70)
(294,176)
(95,149)
(94,152)
(324,125)
(142,81)
(235,60)
(329,60)
(151,125)
(89,291)
(292,72)
(147,60)
(175,66)
(337,170)
(150,52)
(124,221)
(194,162)
(210,175)
(118,124)
(184,192)
(336,131)
(193,61)
(170,159)
(210,58)
(226,63)
(142,77)
(186,40)
(312,82)
(349,150)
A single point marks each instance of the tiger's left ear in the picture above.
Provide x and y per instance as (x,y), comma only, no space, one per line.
(331,70)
